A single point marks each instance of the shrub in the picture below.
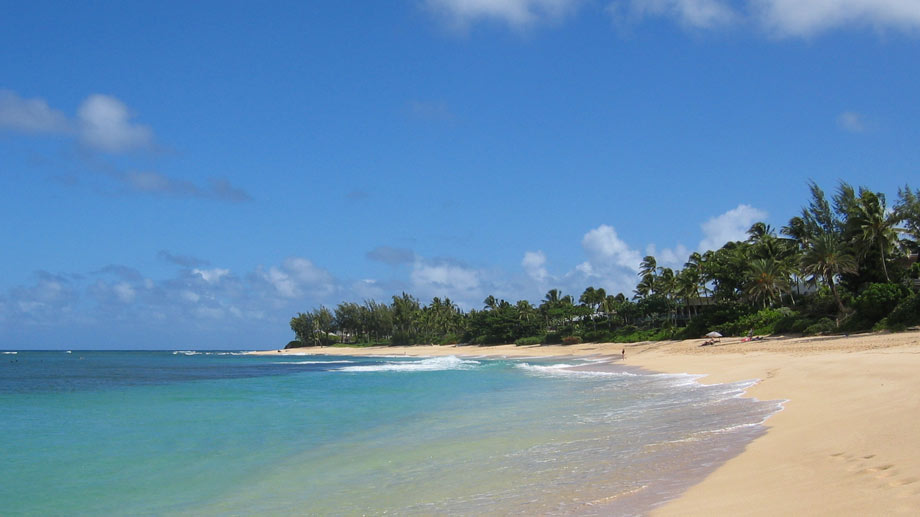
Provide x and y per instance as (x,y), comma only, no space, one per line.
(906,313)
(878,300)
(449,339)
(597,336)
(571,340)
(486,339)
(526,341)
(553,338)
(293,344)
(761,322)
(800,324)
(823,326)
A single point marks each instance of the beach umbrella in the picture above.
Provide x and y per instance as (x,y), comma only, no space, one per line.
(713,334)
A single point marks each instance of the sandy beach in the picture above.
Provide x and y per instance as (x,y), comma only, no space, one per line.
(845,444)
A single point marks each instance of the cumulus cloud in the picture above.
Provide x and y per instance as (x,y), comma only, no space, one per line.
(298,277)
(612,263)
(692,13)
(730,226)
(851,122)
(211,276)
(445,278)
(105,124)
(102,122)
(669,257)
(515,13)
(30,115)
(780,18)
(798,18)
(534,264)
(51,296)
(391,256)
(605,248)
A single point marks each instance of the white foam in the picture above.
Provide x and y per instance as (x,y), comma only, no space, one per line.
(313,362)
(564,369)
(186,352)
(426,365)
(10,353)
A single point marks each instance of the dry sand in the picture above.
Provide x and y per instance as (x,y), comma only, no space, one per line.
(847,442)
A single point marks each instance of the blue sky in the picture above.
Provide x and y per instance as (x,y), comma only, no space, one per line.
(193,174)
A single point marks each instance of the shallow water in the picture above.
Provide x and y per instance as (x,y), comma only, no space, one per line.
(183,432)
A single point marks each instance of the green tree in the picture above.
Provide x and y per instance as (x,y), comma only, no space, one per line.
(872,227)
(908,210)
(827,258)
(767,281)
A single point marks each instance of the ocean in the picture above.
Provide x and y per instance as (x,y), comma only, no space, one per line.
(224,433)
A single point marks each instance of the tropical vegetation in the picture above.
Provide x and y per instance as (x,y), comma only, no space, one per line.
(845,263)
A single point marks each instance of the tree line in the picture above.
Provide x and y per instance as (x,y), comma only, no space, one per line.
(847,262)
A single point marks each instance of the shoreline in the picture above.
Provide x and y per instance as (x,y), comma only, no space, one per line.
(845,442)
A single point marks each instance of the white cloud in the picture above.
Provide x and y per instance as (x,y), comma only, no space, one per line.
(804,18)
(669,257)
(612,263)
(211,276)
(604,247)
(367,289)
(534,264)
(50,299)
(124,292)
(781,18)
(105,124)
(441,278)
(298,277)
(516,13)
(30,115)
(852,122)
(730,226)
(692,13)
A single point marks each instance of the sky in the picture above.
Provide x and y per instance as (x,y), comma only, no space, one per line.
(193,174)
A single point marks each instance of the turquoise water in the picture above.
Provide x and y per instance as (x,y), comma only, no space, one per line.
(183,433)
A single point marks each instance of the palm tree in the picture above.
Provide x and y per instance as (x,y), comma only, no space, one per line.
(827,258)
(760,231)
(798,230)
(648,266)
(645,287)
(874,226)
(767,281)
(696,262)
(908,210)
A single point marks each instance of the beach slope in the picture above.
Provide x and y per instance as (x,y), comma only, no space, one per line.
(845,444)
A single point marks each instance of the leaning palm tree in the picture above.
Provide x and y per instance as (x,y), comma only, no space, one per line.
(827,258)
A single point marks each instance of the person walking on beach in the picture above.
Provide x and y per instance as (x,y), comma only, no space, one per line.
(623,353)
